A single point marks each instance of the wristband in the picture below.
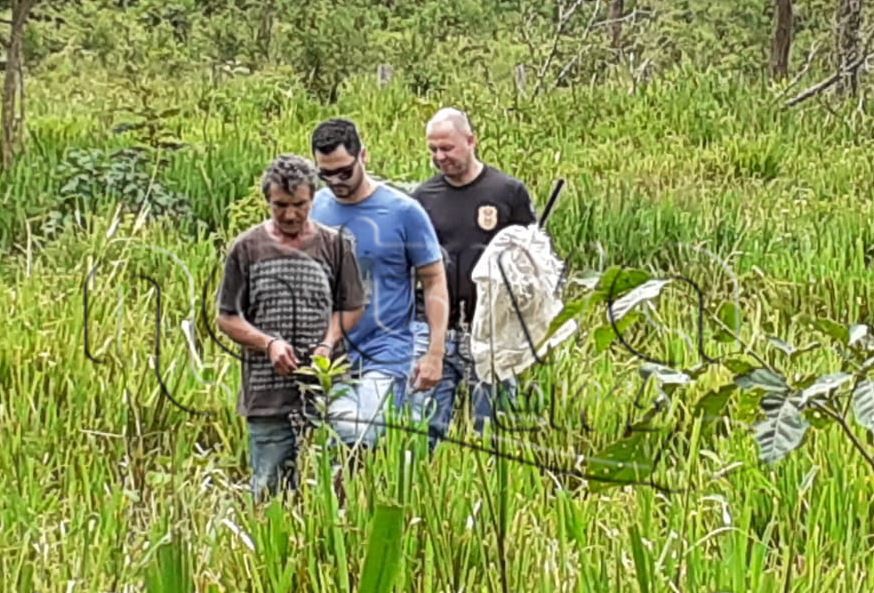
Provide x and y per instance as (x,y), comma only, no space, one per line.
(326,345)
(270,343)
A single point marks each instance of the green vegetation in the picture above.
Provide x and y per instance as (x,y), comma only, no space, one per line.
(145,139)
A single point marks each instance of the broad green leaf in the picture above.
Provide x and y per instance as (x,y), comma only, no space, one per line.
(645,292)
(570,311)
(763,379)
(863,404)
(712,405)
(384,549)
(737,366)
(731,315)
(748,408)
(817,418)
(625,461)
(824,385)
(616,281)
(833,329)
(604,335)
(724,337)
(781,432)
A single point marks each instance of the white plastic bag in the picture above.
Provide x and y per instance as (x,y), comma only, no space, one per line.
(498,344)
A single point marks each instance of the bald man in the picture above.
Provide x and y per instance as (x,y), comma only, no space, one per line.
(468,202)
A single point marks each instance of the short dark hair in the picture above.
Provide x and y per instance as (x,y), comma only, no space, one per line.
(288,172)
(331,134)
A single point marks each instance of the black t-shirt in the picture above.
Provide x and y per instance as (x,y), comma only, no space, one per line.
(466,218)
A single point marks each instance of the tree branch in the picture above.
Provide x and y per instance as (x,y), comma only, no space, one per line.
(829,82)
(804,70)
(583,47)
(847,430)
(563,18)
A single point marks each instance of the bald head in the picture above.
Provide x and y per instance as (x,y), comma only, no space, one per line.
(452,144)
(450,116)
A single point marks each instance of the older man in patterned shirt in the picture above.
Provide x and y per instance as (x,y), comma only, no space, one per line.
(291,289)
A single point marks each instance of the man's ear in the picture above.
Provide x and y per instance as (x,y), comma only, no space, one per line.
(364,155)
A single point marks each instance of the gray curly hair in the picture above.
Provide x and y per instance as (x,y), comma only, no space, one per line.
(288,172)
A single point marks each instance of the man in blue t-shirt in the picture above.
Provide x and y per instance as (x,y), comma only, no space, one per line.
(395,243)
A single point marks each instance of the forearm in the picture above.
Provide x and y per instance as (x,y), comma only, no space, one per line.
(341,324)
(244,333)
(436,313)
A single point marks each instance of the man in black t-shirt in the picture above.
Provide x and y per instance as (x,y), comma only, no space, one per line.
(468,202)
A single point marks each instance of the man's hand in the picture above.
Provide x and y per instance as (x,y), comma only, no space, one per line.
(429,368)
(281,354)
(428,371)
(322,350)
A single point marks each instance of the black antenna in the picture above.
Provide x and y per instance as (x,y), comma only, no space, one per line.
(550,203)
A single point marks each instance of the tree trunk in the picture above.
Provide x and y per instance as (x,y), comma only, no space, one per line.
(13,84)
(782,41)
(617,7)
(848,19)
(265,30)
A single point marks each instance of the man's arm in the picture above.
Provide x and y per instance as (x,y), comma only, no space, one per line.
(342,323)
(429,368)
(233,297)
(424,253)
(280,352)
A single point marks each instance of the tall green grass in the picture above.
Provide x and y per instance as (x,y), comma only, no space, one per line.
(108,487)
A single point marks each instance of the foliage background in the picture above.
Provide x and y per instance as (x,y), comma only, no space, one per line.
(148,125)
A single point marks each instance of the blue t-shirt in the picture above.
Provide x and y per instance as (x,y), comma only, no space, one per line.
(393,235)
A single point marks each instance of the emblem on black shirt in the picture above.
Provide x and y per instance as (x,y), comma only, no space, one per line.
(487,217)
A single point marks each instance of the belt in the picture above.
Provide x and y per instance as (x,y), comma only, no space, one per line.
(456,334)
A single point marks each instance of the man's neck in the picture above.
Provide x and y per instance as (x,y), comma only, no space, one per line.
(468,176)
(297,241)
(364,191)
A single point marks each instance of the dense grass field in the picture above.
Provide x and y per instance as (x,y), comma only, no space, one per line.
(107,487)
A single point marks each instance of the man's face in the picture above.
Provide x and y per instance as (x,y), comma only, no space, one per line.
(290,211)
(451,150)
(341,172)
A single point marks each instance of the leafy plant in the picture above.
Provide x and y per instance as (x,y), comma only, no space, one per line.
(91,178)
(785,407)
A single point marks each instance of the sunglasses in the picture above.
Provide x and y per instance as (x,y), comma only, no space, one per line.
(343,173)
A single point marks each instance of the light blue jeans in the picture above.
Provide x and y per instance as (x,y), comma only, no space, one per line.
(357,409)
(356,413)
(438,403)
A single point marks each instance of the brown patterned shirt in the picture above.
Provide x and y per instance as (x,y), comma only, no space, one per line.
(288,293)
